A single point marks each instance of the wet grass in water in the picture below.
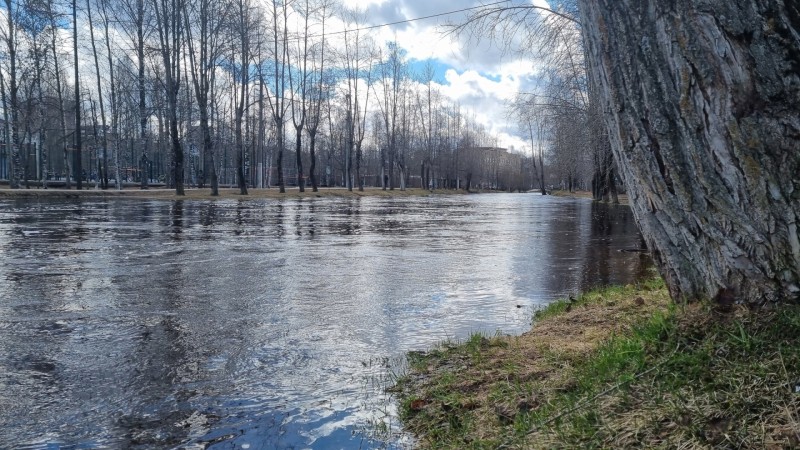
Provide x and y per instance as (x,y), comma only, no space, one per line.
(616,367)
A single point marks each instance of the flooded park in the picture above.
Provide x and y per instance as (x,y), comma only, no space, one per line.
(268,323)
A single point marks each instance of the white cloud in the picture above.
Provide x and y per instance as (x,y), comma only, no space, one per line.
(482,77)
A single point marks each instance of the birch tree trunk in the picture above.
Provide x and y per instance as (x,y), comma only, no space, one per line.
(701,102)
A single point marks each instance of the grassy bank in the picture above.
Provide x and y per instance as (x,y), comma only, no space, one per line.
(224,193)
(623,198)
(615,368)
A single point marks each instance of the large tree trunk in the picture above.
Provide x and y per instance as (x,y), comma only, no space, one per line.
(700,99)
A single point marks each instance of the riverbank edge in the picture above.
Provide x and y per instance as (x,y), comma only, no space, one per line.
(225,193)
(616,367)
(623,198)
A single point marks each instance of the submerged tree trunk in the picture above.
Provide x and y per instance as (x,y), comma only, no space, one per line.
(61,112)
(299,157)
(102,173)
(78,164)
(700,99)
(312,144)
(114,107)
(143,114)
(167,15)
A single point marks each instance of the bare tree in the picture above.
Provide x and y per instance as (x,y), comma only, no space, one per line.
(204,48)
(426,119)
(244,28)
(168,14)
(11,98)
(136,16)
(278,17)
(78,158)
(358,60)
(114,106)
(298,88)
(102,168)
(54,17)
(319,86)
(392,72)
(534,119)
(33,23)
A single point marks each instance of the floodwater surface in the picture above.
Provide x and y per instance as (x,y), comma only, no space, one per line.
(132,323)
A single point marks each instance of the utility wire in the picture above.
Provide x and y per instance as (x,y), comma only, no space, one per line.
(418,18)
(399,22)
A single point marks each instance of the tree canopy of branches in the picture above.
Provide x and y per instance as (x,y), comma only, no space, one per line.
(199,94)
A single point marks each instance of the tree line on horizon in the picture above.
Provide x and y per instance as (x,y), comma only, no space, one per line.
(244,93)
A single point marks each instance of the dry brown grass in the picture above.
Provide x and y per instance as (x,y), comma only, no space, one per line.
(623,198)
(618,368)
(489,382)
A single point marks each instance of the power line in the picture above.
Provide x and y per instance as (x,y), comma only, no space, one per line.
(418,18)
(399,22)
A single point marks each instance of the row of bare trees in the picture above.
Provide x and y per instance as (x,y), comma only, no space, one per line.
(561,114)
(207,92)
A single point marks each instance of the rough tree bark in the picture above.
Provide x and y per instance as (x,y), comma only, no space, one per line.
(700,98)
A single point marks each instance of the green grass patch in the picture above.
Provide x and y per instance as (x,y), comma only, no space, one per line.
(655,375)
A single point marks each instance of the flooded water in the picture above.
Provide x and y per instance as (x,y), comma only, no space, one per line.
(267,324)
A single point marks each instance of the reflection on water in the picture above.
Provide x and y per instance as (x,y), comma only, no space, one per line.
(268,324)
